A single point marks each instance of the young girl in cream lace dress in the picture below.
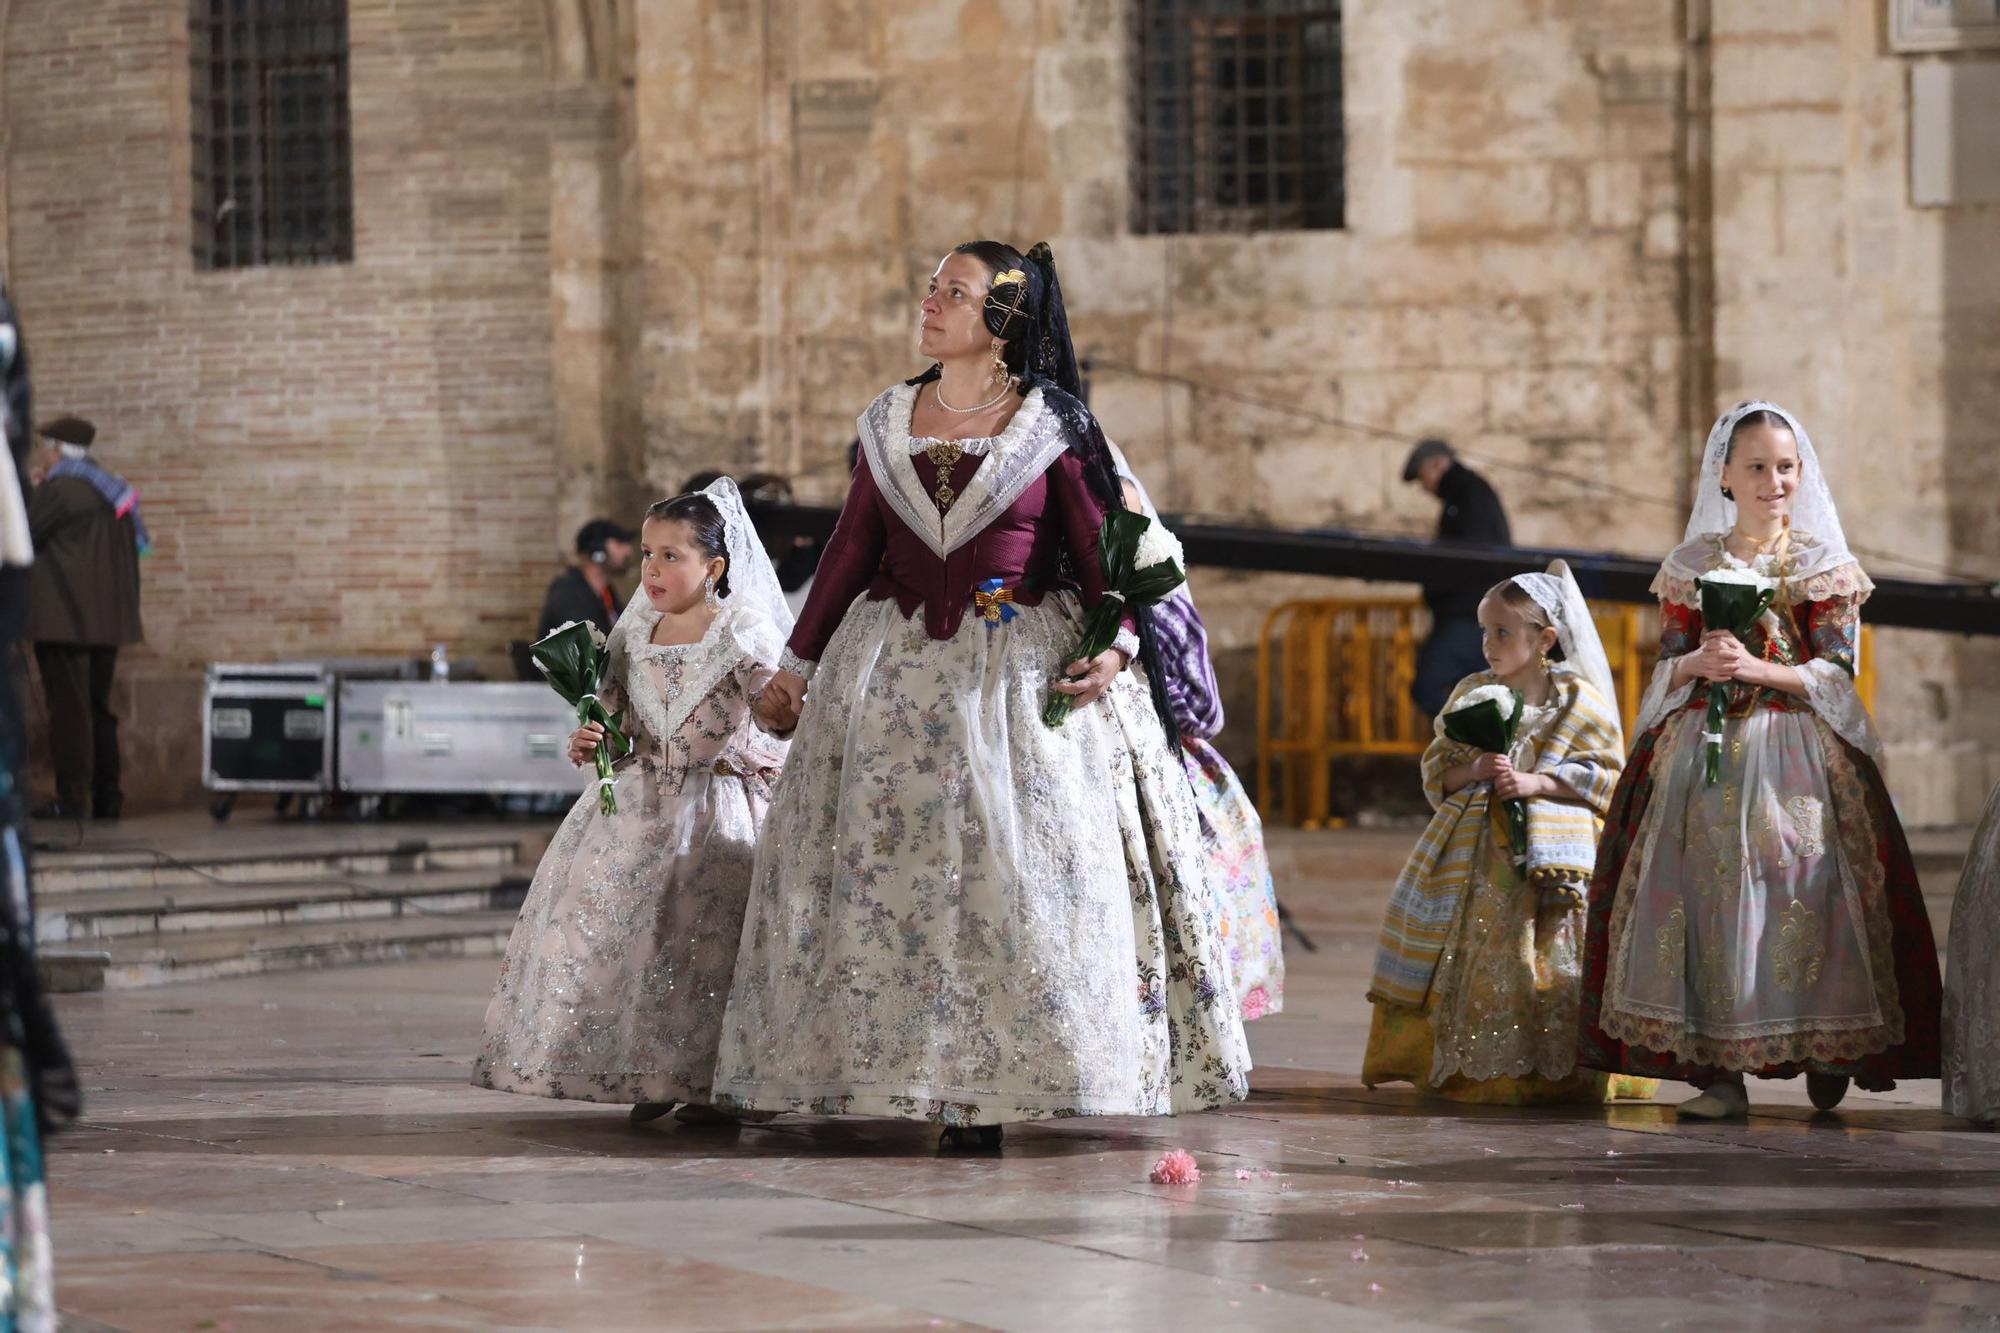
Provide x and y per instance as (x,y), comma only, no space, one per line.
(615,979)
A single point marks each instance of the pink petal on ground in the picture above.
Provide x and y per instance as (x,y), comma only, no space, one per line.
(1360,1256)
(1177,1167)
(1241,1174)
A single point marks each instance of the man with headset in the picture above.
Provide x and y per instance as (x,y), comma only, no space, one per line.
(584,591)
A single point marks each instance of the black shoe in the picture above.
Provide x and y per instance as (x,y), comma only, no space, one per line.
(107,807)
(57,810)
(1826,1090)
(645,1113)
(970,1138)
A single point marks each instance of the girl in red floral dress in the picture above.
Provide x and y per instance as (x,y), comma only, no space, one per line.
(1767,922)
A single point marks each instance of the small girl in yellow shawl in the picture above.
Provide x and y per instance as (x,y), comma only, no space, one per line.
(1477,976)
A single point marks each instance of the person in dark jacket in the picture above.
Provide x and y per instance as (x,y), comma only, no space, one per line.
(583,591)
(83,606)
(1472,515)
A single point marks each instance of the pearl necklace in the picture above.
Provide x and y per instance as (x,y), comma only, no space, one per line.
(937,393)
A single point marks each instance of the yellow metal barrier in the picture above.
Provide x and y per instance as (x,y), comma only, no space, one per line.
(1333,680)
(1360,652)
(1632,648)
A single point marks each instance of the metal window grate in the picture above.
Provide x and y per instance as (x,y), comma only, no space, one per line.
(273,176)
(1236,121)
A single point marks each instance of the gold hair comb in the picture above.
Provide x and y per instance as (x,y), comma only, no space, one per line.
(1011,275)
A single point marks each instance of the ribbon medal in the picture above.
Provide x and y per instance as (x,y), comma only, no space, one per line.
(994,603)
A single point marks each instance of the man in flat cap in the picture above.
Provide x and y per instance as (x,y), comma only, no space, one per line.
(584,590)
(83,606)
(1471,515)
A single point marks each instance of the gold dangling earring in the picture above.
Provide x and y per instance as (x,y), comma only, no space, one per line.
(999,363)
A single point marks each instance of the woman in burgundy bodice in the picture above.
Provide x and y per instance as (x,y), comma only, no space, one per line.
(960,913)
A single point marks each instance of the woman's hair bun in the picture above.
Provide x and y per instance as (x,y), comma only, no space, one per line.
(1009,308)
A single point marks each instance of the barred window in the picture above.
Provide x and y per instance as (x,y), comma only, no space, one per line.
(1236,119)
(273,179)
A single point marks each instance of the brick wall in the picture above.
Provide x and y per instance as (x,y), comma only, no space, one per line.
(345,459)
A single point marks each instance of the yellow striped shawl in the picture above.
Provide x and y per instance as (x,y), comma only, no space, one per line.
(1584,746)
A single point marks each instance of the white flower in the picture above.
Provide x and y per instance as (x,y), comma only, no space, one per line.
(1746,578)
(1157,546)
(1498,694)
(596,634)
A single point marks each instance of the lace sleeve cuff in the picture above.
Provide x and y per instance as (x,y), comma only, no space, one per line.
(1663,699)
(1127,643)
(1831,692)
(798,666)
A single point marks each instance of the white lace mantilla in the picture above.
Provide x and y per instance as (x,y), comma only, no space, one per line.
(1811,570)
(1014,459)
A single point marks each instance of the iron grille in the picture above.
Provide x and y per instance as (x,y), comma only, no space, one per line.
(273,175)
(1237,116)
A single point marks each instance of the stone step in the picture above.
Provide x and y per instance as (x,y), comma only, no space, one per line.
(138,961)
(307,858)
(106,914)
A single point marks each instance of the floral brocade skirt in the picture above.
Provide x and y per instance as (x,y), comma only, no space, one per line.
(964,915)
(1972,980)
(1499,1025)
(1239,870)
(615,976)
(1769,923)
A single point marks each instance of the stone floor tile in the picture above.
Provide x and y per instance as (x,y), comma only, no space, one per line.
(304,1152)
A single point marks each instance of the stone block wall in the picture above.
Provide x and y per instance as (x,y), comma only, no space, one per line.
(602,246)
(1510,276)
(1875,322)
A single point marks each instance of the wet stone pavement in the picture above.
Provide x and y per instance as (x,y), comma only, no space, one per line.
(301,1151)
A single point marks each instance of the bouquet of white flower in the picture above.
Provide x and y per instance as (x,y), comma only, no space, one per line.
(574,660)
(1143,562)
(1733,600)
(1488,718)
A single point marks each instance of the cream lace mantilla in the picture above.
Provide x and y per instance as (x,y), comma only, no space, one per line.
(1810,570)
